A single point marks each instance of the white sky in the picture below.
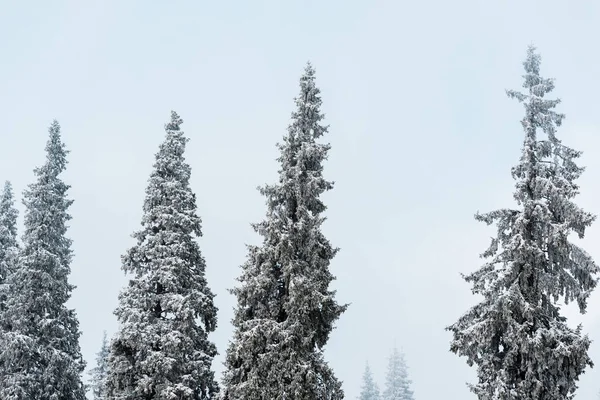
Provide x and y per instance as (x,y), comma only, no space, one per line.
(423,136)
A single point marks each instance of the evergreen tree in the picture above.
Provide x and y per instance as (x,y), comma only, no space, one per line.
(41,358)
(369,390)
(9,246)
(397,384)
(516,336)
(161,350)
(99,373)
(286,311)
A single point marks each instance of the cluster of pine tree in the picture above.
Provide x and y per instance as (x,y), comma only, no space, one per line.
(285,314)
(40,357)
(397,383)
(286,310)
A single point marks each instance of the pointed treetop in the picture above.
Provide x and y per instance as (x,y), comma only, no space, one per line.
(104,337)
(533,61)
(172,146)
(7,198)
(537,85)
(534,102)
(176,121)
(397,385)
(99,373)
(7,192)
(309,70)
(8,213)
(56,152)
(54,133)
(8,229)
(308,77)
(307,116)
(369,389)
(308,88)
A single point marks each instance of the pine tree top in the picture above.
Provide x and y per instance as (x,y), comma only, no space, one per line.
(46,203)
(516,336)
(285,310)
(8,222)
(56,152)
(369,389)
(99,373)
(397,383)
(46,222)
(9,245)
(42,358)
(545,188)
(168,302)
(8,213)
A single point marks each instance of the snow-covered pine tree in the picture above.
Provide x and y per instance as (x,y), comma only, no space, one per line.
(99,373)
(516,335)
(286,311)
(397,384)
(369,389)
(161,350)
(9,246)
(40,357)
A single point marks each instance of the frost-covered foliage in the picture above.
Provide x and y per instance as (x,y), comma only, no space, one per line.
(285,310)
(397,384)
(40,357)
(522,346)
(9,246)
(161,350)
(369,389)
(99,373)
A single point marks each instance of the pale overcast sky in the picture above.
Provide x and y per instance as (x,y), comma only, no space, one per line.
(422,137)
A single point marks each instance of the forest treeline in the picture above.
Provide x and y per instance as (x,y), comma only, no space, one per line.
(516,336)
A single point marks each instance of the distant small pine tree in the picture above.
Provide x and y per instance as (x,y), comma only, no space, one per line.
(369,389)
(99,373)
(397,384)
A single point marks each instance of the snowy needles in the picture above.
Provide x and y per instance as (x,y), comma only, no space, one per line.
(161,350)
(286,310)
(41,358)
(517,337)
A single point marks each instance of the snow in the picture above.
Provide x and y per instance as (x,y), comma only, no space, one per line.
(516,336)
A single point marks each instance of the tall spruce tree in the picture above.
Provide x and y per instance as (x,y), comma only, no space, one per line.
(40,357)
(397,384)
(516,336)
(369,389)
(161,350)
(9,245)
(99,373)
(286,311)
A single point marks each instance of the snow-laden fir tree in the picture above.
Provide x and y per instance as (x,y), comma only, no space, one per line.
(161,350)
(9,246)
(40,357)
(99,373)
(516,336)
(397,384)
(369,389)
(286,310)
